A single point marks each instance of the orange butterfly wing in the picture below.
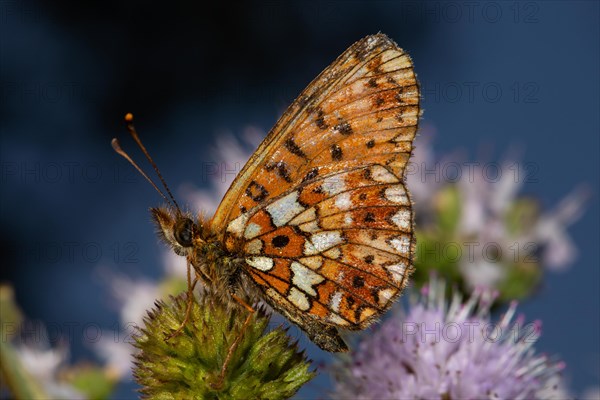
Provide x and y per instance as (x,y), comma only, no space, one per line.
(320,212)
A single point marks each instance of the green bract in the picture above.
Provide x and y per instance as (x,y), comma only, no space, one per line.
(265,365)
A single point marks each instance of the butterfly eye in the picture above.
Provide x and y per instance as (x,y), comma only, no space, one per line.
(183,232)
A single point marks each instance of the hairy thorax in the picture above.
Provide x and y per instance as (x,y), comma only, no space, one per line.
(218,269)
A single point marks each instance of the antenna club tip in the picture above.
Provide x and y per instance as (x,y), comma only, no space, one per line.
(129,118)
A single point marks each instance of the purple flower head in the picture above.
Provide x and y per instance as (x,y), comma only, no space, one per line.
(438,350)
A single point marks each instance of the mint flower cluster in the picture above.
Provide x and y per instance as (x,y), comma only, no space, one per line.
(450,350)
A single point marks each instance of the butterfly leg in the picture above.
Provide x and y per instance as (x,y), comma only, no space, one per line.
(190,303)
(236,341)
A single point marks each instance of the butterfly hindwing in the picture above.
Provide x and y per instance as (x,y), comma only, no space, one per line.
(341,244)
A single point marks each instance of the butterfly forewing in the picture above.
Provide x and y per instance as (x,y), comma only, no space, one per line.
(320,212)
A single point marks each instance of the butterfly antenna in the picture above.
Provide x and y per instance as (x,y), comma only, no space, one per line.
(134,135)
(117,148)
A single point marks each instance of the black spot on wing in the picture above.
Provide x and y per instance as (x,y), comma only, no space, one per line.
(320,120)
(280,169)
(344,128)
(336,152)
(350,300)
(256,192)
(358,282)
(280,241)
(293,148)
(311,174)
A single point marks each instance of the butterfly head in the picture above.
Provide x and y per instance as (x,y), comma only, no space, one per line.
(178,230)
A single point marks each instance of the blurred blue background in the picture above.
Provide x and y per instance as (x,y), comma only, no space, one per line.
(493,74)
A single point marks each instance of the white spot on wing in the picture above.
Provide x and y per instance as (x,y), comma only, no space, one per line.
(334,184)
(305,278)
(401,245)
(252,230)
(298,299)
(385,295)
(325,240)
(348,219)
(335,301)
(397,271)
(309,249)
(342,201)
(397,194)
(261,263)
(402,219)
(237,225)
(381,174)
(284,209)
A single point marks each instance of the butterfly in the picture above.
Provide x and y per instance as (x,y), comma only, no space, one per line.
(319,222)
